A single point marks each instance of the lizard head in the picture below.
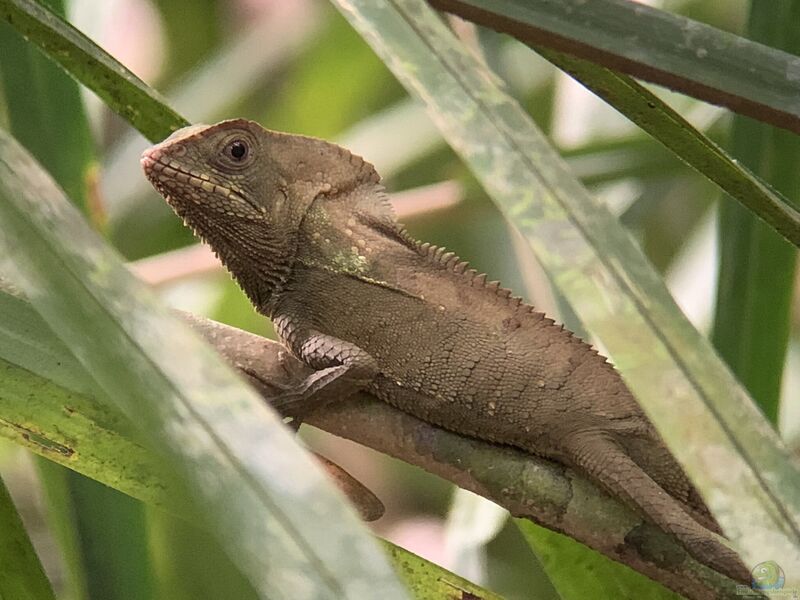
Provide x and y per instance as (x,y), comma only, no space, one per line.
(245,190)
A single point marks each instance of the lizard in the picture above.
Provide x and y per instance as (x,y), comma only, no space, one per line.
(305,228)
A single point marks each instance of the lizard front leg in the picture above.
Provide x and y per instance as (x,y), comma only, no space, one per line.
(341,370)
(367,503)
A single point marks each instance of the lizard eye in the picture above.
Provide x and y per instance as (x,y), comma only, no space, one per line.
(237,150)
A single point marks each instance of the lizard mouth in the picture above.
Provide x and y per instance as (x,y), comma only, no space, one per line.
(166,175)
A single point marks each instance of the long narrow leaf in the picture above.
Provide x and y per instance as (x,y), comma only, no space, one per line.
(578,572)
(691,146)
(60,426)
(267,502)
(21,573)
(707,419)
(428,581)
(33,88)
(120,89)
(71,429)
(775,466)
(89,439)
(54,479)
(101,533)
(756,268)
(654,116)
(651,44)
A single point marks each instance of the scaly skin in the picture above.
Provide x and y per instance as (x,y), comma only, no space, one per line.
(305,228)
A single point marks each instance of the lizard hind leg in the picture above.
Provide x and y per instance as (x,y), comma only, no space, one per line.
(650,453)
(601,457)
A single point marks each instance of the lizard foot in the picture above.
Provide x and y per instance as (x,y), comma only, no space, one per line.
(273,392)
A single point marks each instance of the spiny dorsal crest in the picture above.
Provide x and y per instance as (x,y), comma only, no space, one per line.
(451,262)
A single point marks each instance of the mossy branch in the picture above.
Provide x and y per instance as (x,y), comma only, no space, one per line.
(83,434)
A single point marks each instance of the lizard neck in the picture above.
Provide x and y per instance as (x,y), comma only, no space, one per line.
(258,260)
(353,234)
(261,270)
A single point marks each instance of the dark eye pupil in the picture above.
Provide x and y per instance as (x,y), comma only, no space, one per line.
(238,149)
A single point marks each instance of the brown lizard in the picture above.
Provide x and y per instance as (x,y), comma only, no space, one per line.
(305,228)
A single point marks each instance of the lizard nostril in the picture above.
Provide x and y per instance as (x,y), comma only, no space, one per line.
(147,162)
(153,153)
(151,161)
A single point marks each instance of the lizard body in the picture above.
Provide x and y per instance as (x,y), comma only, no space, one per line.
(305,228)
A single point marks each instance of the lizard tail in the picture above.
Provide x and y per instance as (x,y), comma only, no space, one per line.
(605,461)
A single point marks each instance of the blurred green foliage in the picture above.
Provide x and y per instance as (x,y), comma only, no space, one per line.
(757,267)
(330,85)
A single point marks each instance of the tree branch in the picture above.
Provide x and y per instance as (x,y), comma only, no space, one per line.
(63,423)
(529,487)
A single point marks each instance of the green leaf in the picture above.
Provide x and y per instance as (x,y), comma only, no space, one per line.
(267,502)
(579,572)
(40,419)
(112,537)
(428,581)
(43,104)
(120,89)
(101,533)
(89,437)
(757,268)
(651,44)
(677,345)
(736,459)
(21,573)
(655,117)
(190,564)
(54,479)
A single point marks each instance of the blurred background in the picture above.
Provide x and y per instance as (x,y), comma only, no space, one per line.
(297,66)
